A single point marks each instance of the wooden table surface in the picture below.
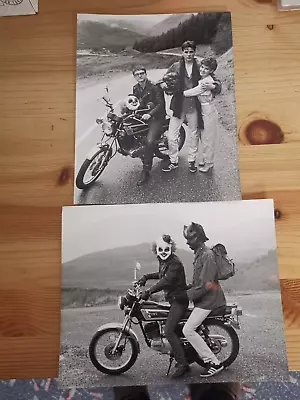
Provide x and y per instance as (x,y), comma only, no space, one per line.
(37,120)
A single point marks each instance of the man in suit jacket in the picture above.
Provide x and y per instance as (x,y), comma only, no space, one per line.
(186,108)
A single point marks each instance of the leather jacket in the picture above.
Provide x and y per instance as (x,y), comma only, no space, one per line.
(151,94)
(172,279)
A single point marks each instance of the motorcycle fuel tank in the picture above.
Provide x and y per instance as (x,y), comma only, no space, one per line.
(154,312)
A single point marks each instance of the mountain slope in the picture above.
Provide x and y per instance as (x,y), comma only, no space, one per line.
(222,41)
(114,269)
(134,26)
(169,23)
(97,35)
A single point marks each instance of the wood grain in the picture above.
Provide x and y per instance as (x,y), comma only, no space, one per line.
(37,103)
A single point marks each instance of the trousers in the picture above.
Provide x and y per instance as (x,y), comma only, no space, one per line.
(155,129)
(203,144)
(197,316)
(176,312)
(173,134)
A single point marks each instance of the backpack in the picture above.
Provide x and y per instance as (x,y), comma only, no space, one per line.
(226,268)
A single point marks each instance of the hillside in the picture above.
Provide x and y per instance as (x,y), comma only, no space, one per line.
(169,23)
(136,26)
(114,268)
(201,28)
(222,41)
(260,275)
(96,36)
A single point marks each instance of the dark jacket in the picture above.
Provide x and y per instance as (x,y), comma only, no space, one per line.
(172,279)
(178,98)
(151,94)
(209,292)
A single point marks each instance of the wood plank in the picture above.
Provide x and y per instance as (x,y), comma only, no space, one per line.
(37,78)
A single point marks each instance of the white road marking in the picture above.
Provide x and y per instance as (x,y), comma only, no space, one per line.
(85,134)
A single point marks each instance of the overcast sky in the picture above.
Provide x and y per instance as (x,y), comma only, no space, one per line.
(243,226)
(149,19)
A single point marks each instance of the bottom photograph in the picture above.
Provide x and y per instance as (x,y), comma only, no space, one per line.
(165,293)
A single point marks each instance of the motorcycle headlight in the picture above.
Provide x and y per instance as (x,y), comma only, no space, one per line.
(107,128)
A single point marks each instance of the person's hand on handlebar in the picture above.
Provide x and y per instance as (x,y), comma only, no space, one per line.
(142,281)
(145,296)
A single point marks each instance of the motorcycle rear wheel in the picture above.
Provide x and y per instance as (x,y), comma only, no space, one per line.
(96,165)
(161,150)
(235,343)
(93,352)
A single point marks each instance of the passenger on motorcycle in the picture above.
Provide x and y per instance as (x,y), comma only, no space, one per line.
(206,293)
(148,93)
(172,281)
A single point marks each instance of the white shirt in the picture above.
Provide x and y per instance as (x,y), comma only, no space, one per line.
(189,68)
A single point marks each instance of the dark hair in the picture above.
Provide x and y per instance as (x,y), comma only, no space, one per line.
(214,394)
(210,63)
(131,393)
(188,43)
(139,68)
(214,391)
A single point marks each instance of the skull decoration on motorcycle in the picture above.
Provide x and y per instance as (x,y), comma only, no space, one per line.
(163,247)
(132,103)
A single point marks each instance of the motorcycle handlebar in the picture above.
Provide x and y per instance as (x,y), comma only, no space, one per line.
(108,103)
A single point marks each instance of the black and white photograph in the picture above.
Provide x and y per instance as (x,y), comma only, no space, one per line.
(155,109)
(162,293)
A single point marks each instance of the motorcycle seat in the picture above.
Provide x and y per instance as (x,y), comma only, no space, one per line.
(218,312)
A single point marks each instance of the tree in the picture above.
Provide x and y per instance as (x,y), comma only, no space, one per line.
(201,28)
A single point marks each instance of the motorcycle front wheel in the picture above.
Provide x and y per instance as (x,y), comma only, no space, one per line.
(93,167)
(162,148)
(222,340)
(102,356)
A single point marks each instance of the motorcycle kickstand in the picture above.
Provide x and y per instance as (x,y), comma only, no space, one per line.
(170,365)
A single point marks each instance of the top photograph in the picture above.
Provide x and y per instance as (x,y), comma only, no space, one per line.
(155,109)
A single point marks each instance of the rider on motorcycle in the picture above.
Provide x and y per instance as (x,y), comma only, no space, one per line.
(206,293)
(172,280)
(149,94)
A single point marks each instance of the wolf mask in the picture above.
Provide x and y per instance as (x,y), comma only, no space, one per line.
(194,233)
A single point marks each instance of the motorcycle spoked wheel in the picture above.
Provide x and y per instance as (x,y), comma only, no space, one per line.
(95,166)
(108,352)
(216,346)
(162,146)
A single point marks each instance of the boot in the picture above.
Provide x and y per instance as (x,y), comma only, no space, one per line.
(181,369)
(144,178)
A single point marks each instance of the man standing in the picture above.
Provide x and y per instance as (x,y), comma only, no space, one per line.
(185,108)
(150,96)
(206,293)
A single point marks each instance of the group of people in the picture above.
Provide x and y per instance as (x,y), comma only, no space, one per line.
(191,103)
(172,281)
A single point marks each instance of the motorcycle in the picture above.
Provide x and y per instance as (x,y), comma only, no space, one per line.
(120,346)
(126,134)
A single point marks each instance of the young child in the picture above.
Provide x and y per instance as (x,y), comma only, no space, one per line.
(204,143)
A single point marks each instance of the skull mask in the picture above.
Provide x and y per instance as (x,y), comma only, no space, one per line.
(163,249)
(132,103)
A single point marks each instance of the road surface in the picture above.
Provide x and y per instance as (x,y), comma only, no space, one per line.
(262,352)
(117,184)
